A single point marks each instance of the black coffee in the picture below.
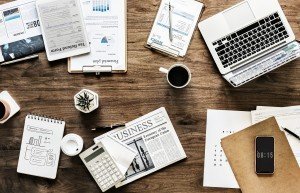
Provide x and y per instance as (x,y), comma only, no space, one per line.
(178,76)
(2,110)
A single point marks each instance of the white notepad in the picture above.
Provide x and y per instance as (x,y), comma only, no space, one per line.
(40,147)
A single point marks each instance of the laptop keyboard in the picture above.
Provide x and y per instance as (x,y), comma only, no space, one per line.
(256,71)
(262,66)
(250,40)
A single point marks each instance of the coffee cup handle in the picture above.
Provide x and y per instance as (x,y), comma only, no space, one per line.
(163,70)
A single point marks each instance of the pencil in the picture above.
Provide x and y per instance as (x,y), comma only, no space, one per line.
(291,133)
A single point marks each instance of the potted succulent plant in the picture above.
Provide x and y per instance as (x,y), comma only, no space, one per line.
(86,101)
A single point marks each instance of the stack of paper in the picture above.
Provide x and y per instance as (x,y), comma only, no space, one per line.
(220,123)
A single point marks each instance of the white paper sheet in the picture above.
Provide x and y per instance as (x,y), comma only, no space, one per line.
(63,28)
(271,107)
(265,107)
(287,117)
(122,154)
(221,123)
(260,115)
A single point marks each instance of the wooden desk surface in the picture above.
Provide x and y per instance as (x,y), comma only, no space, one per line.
(47,88)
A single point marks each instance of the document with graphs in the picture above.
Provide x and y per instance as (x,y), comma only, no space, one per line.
(105,22)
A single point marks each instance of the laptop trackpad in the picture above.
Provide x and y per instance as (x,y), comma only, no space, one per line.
(239,16)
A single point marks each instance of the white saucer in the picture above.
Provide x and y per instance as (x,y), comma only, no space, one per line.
(71,144)
(14,107)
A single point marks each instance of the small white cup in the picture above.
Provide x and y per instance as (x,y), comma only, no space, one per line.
(5,110)
(166,71)
(71,144)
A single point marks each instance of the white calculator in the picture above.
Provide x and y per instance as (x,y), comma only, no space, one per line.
(102,167)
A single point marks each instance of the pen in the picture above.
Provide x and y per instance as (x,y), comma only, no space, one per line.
(19,60)
(292,133)
(112,126)
(170,22)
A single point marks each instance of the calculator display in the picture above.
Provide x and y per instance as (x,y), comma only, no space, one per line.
(94,154)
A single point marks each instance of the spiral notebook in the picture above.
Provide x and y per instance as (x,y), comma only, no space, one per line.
(40,147)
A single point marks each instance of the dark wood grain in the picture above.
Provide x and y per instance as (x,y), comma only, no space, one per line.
(47,88)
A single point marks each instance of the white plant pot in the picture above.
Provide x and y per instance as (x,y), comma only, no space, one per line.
(94,104)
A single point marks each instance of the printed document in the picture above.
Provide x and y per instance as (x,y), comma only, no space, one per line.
(155,140)
(260,115)
(62,28)
(20,32)
(221,123)
(106,27)
(184,16)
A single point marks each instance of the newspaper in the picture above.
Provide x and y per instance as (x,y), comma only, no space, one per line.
(154,138)
(20,32)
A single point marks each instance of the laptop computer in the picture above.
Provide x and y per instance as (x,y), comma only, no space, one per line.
(240,37)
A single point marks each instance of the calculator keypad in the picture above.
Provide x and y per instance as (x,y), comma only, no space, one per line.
(105,172)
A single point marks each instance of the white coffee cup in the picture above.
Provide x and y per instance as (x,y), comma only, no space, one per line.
(178,75)
(71,144)
(4,110)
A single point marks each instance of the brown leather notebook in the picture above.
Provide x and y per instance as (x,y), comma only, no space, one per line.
(240,152)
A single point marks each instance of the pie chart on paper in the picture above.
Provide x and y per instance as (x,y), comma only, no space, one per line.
(104,40)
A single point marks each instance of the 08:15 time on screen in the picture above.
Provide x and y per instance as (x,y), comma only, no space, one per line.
(264,154)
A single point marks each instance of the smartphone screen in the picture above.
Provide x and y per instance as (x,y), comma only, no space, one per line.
(264,156)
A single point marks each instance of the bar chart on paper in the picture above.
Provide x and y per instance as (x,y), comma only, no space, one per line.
(101,5)
(35,142)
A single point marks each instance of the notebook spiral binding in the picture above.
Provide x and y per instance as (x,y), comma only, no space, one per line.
(45,118)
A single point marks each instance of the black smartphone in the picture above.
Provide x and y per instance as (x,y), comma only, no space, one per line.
(264,155)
